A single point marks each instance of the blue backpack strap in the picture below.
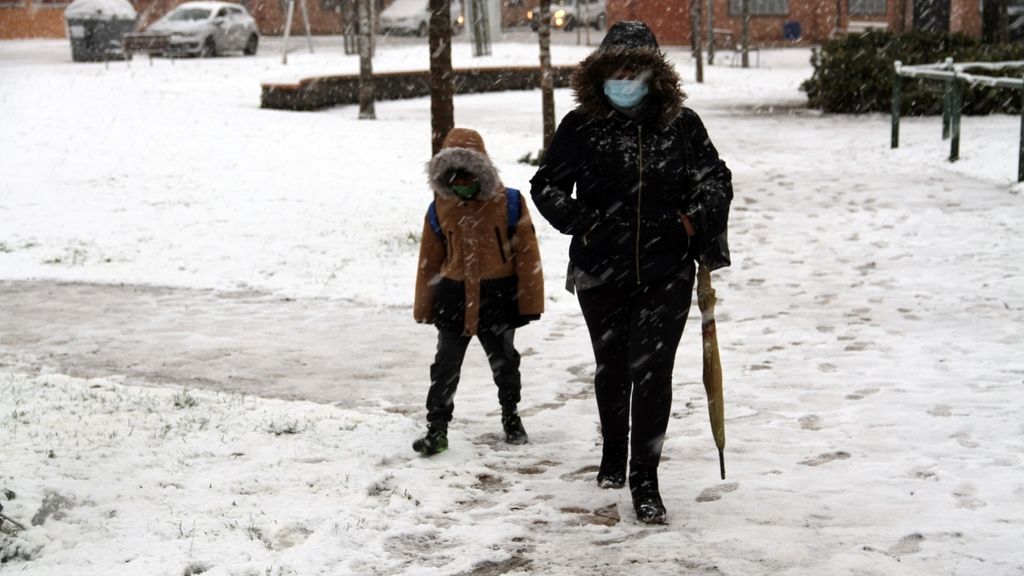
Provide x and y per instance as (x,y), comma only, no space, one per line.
(435,224)
(513,198)
(514,209)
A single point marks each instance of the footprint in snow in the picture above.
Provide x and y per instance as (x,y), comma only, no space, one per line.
(810,422)
(826,458)
(910,544)
(715,492)
(964,495)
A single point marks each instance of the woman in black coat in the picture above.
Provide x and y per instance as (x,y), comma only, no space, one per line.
(651,195)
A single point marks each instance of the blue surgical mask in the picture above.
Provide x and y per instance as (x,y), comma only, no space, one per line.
(625,93)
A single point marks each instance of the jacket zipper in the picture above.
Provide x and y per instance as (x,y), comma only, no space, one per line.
(501,245)
(639,194)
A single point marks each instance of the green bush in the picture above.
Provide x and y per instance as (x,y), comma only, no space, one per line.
(854,73)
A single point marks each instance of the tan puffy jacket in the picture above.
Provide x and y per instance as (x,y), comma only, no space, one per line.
(477,277)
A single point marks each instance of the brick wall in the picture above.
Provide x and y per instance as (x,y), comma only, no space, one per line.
(23,19)
(671,20)
(965,17)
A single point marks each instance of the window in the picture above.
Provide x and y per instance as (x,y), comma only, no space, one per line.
(867,7)
(760,7)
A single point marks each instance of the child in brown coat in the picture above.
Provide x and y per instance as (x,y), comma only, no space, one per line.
(479,275)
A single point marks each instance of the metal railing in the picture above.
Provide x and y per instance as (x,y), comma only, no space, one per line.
(954,77)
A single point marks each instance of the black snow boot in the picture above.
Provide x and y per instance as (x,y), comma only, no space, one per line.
(513,426)
(612,473)
(435,442)
(643,486)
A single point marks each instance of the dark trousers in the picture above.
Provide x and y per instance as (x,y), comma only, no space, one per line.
(447,368)
(635,331)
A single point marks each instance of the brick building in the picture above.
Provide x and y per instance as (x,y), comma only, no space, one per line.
(816,20)
(45,18)
(671,20)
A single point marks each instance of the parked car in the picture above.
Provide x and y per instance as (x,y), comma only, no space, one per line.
(208,29)
(568,14)
(413,17)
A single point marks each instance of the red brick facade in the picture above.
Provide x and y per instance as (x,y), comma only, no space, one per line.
(818,19)
(670,19)
(29,19)
(26,19)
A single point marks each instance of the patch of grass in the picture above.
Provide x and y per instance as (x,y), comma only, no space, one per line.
(285,428)
(532,160)
(184,399)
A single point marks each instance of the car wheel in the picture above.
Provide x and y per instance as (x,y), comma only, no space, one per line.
(570,24)
(209,49)
(251,45)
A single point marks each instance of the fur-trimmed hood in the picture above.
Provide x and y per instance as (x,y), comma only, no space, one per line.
(463,149)
(634,44)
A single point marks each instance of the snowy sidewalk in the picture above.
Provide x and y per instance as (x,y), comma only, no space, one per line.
(870,331)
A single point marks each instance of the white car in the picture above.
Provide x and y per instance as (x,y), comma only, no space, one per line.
(564,14)
(208,29)
(413,17)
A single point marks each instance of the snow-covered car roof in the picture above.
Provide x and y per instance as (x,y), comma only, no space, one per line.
(208,4)
(100,10)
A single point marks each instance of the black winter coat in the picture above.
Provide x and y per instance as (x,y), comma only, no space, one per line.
(633,182)
(634,178)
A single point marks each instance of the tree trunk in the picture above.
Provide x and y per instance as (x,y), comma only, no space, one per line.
(1004,22)
(366,86)
(350,30)
(547,81)
(745,34)
(711,31)
(899,25)
(696,40)
(442,81)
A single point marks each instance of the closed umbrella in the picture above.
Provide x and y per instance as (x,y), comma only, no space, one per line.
(712,362)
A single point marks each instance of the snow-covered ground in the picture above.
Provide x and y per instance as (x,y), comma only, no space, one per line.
(870,330)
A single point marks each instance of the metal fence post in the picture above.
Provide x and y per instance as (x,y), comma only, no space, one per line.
(1020,153)
(947,101)
(897,82)
(947,104)
(958,96)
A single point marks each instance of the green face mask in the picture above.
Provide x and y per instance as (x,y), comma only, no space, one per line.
(466,191)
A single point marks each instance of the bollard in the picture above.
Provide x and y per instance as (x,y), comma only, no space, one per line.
(1020,153)
(947,101)
(958,95)
(947,104)
(897,81)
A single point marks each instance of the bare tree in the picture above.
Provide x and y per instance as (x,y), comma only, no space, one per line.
(349,22)
(696,40)
(710,15)
(901,17)
(442,81)
(547,80)
(745,33)
(366,85)
(1004,22)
